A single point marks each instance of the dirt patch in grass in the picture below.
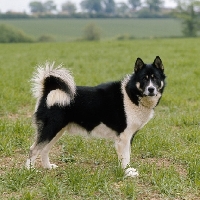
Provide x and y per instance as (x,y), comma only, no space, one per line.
(164,162)
(16,161)
(18,116)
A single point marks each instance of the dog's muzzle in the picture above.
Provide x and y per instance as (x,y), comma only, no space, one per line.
(150,91)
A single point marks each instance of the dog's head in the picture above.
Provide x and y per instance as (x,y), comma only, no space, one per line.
(150,78)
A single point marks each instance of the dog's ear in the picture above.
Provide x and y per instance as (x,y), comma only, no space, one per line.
(138,64)
(158,63)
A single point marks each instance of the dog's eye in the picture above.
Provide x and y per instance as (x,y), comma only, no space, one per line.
(145,78)
(153,77)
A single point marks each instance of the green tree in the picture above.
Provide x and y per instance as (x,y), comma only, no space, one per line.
(92,6)
(109,6)
(135,3)
(188,11)
(69,7)
(36,7)
(122,8)
(49,6)
(154,5)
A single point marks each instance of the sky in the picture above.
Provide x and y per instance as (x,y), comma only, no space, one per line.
(23,5)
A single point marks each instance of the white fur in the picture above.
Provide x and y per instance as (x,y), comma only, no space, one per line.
(48,70)
(138,86)
(131,172)
(151,85)
(58,97)
(137,117)
(43,149)
(162,84)
(100,131)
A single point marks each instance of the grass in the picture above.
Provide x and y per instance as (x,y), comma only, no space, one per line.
(73,29)
(166,151)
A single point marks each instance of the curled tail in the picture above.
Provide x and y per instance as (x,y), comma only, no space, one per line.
(55,84)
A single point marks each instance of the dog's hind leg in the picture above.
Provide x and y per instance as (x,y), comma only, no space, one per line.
(45,151)
(35,149)
(48,133)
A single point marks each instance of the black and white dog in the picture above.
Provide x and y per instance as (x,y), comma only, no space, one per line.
(115,110)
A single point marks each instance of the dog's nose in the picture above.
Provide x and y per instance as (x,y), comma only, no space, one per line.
(151,89)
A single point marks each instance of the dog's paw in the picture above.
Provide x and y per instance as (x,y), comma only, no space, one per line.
(50,166)
(131,172)
(53,166)
(29,164)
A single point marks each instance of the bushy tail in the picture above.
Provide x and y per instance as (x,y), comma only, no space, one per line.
(56,84)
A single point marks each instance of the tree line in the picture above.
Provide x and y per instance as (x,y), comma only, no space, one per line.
(106,7)
(186,10)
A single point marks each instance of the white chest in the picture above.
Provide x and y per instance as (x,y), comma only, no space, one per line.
(138,115)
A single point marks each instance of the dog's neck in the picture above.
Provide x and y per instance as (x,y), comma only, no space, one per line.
(149,102)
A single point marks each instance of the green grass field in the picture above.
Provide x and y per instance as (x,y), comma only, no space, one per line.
(166,151)
(72,29)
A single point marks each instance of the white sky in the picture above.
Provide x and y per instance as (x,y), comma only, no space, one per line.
(23,5)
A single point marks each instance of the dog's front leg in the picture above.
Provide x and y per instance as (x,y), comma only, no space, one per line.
(123,149)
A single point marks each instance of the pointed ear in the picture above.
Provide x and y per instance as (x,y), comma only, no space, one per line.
(158,63)
(138,64)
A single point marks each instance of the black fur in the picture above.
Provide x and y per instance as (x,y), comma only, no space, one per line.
(53,83)
(111,104)
(91,106)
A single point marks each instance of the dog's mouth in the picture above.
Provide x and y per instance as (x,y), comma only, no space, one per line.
(150,95)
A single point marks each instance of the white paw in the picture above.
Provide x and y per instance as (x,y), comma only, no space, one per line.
(51,166)
(131,172)
(29,164)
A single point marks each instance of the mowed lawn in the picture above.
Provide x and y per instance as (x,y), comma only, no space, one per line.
(73,29)
(166,151)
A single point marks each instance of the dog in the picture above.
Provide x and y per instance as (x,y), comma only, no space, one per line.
(114,110)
